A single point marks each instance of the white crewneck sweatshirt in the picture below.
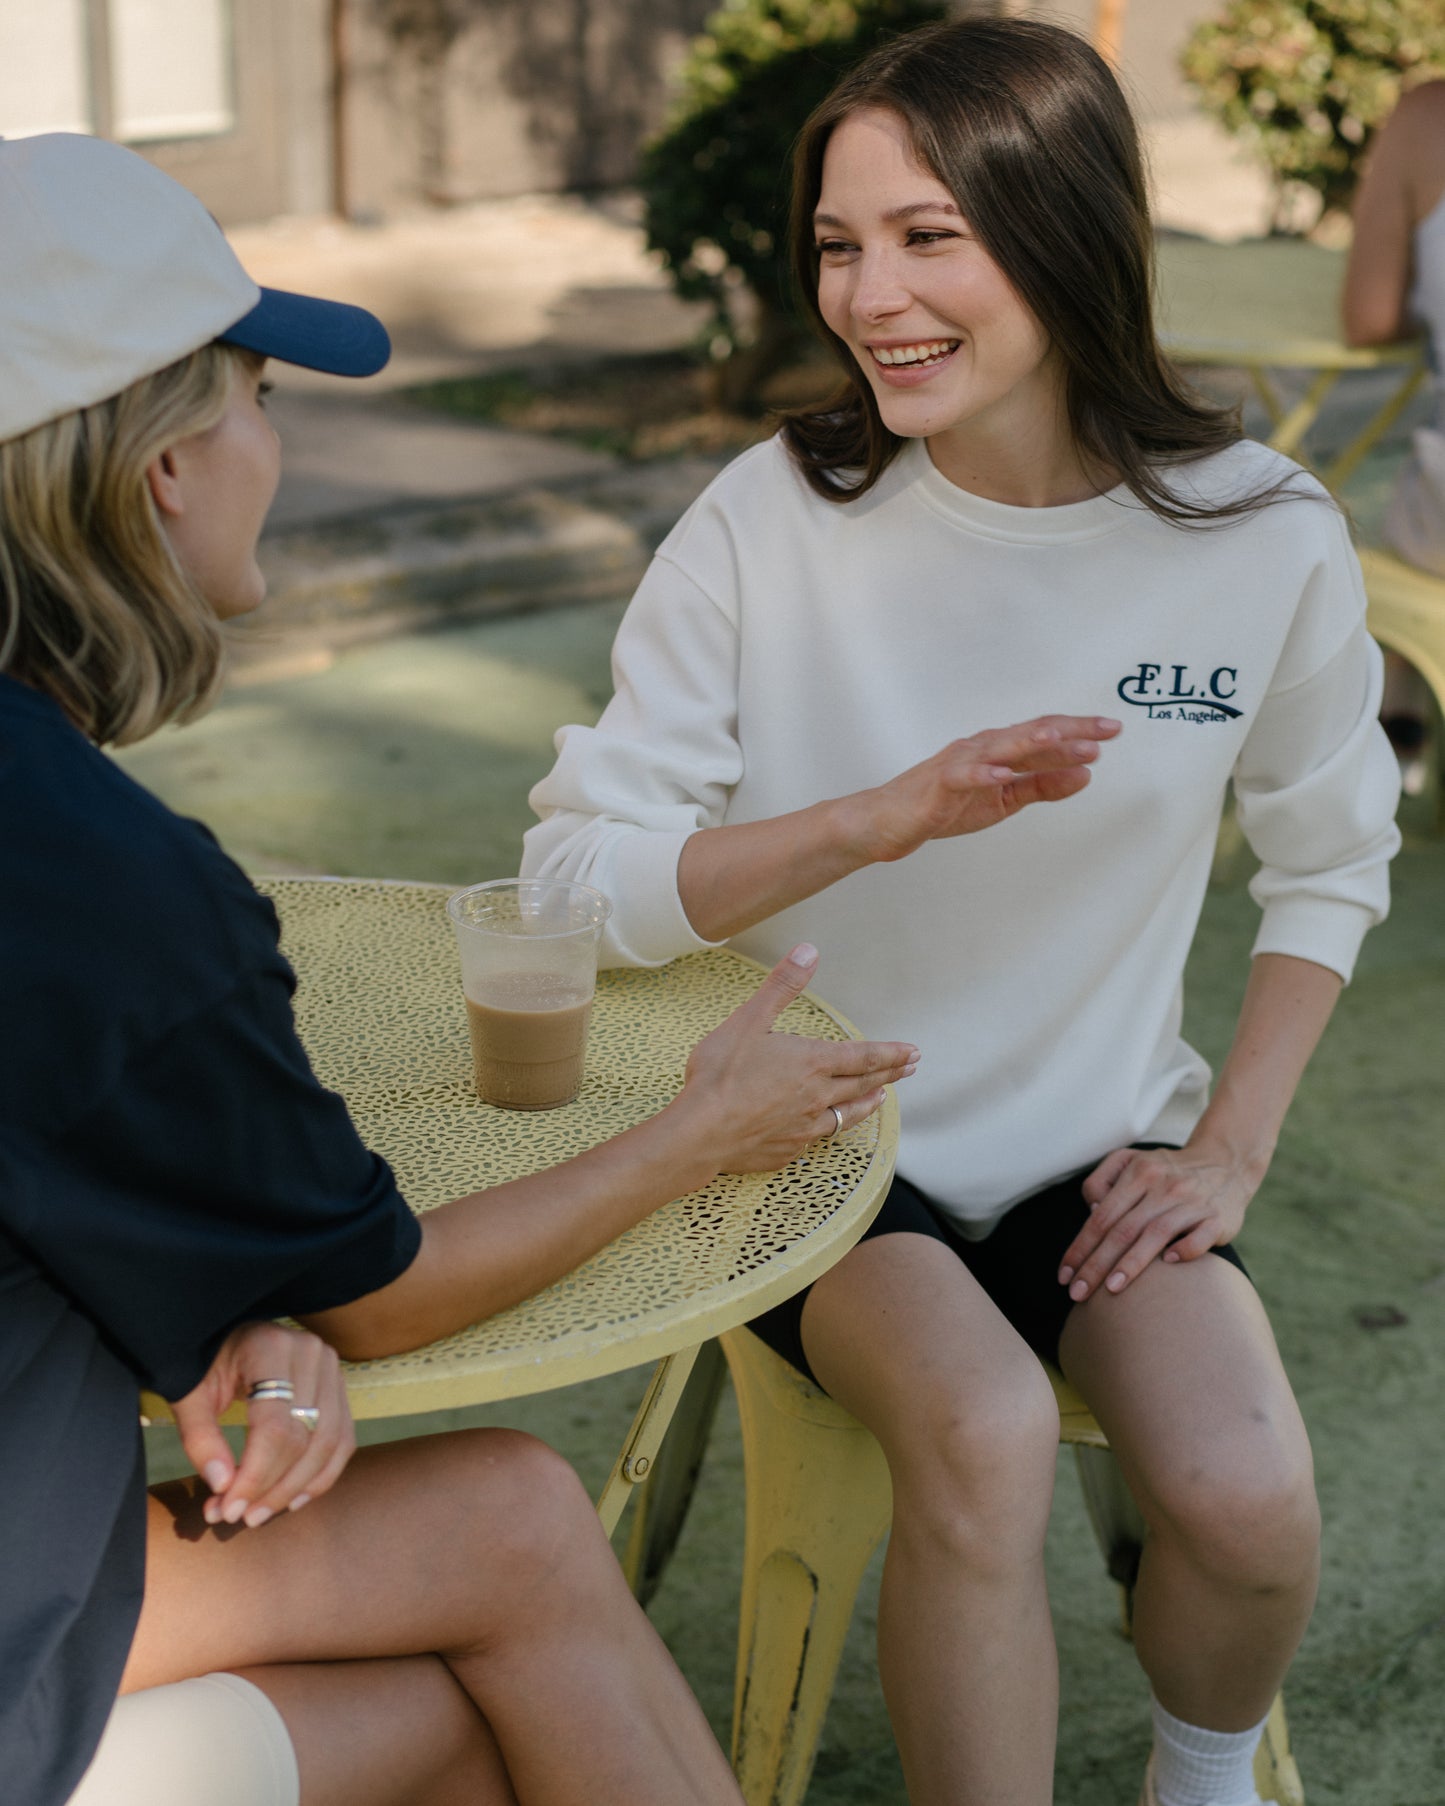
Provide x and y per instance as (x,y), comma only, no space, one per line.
(783,649)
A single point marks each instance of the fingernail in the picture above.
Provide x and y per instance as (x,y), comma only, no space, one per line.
(909,1070)
(216,1474)
(236,1510)
(255,1519)
(211,1511)
(302,1498)
(805,954)
(1171,1257)
(1116,1282)
(1108,721)
(1065,1275)
(1078,1291)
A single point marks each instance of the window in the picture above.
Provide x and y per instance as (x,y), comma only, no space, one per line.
(171,68)
(44,77)
(135,70)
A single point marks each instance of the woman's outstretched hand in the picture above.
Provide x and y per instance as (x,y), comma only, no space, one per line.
(1169,1204)
(979,782)
(284,1465)
(765,1096)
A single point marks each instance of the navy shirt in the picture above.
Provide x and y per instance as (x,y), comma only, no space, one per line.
(169,1168)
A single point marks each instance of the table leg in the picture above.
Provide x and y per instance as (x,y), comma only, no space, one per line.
(1268,394)
(644,1439)
(1288,435)
(1343,467)
(666,1496)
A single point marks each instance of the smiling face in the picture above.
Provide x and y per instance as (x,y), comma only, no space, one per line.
(950,351)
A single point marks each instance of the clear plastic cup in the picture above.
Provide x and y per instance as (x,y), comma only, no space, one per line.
(529,971)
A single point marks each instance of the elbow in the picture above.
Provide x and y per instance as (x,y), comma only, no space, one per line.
(370,1331)
(1363,326)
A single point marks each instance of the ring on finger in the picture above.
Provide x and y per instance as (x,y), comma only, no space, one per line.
(310,1415)
(828,1134)
(272,1389)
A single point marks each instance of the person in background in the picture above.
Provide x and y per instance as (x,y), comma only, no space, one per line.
(1394,288)
(1013,511)
(423,1624)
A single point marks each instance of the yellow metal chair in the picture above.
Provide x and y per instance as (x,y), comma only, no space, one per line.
(818,1504)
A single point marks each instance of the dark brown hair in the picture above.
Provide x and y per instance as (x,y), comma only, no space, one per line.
(1025,125)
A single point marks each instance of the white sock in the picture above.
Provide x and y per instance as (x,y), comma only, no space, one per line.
(1195,1767)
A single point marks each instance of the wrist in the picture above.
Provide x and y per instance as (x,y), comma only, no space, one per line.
(1249,1152)
(853,830)
(692,1138)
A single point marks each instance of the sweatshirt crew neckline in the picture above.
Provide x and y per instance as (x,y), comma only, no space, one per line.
(1065,523)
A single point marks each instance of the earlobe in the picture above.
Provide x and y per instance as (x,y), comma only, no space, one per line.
(164,483)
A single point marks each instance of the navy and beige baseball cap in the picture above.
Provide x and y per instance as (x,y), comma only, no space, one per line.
(111,271)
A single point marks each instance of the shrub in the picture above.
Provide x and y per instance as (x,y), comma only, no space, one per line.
(1308,81)
(715,179)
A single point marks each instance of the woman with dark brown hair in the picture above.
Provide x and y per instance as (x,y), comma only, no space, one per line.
(1014,510)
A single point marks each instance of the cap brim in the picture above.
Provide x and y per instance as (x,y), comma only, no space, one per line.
(320,335)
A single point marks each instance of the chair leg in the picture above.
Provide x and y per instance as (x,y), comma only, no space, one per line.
(1276,1773)
(660,1509)
(1115,1520)
(818,1504)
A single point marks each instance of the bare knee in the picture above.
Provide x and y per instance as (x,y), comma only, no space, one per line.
(1243,1512)
(521,1511)
(973,1471)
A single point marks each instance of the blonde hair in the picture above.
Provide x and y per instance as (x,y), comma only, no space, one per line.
(95,609)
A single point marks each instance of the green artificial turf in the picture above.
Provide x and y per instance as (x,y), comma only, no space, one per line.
(412,759)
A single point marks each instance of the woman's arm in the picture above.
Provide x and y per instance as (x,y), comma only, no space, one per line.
(752,1100)
(1181,1204)
(728,878)
(1315,786)
(1386,211)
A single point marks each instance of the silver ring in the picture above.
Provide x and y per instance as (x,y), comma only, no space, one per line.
(310,1415)
(837,1122)
(272,1389)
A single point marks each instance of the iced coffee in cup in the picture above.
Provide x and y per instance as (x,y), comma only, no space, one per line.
(529,969)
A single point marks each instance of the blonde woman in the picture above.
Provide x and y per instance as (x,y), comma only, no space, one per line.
(442,1621)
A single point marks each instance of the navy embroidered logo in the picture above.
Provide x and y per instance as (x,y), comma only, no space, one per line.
(1169,694)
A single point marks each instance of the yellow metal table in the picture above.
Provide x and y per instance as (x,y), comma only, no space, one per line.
(379,1008)
(1272,304)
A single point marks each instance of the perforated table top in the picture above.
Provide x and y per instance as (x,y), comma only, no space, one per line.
(379,1007)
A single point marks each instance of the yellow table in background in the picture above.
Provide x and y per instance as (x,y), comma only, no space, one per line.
(379,1008)
(1272,304)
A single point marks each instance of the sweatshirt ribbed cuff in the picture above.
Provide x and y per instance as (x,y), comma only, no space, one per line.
(1327,930)
(650,925)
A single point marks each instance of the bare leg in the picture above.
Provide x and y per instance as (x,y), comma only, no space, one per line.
(1182,1372)
(375,1733)
(481,1548)
(904,1338)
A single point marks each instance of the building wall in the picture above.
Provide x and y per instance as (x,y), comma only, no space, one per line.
(528,95)
(278,159)
(452,100)
(441,100)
